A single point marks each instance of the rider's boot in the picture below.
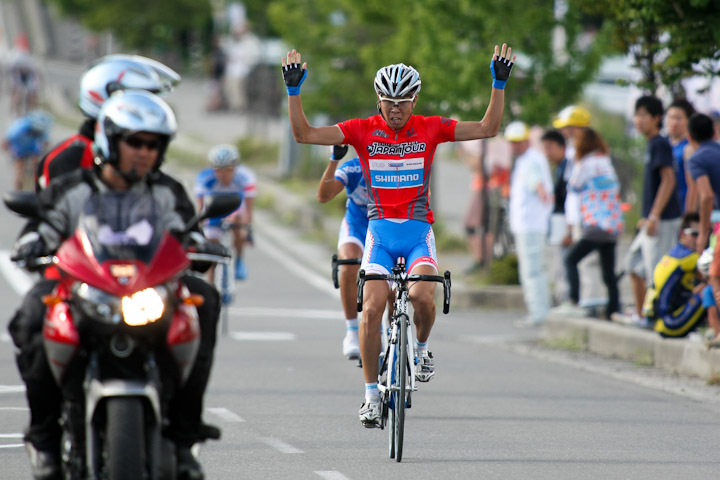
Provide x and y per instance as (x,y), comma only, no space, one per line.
(44,464)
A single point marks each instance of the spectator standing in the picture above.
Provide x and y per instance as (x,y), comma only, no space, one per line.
(660,216)
(477,215)
(242,55)
(218,62)
(531,202)
(595,183)
(704,169)
(676,119)
(553,144)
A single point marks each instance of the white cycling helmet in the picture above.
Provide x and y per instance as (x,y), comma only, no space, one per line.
(40,121)
(398,80)
(130,111)
(222,156)
(118,72)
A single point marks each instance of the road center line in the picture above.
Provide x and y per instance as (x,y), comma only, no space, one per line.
(281,446)
(312,313)
(225,414)
(13,445)
(331,475)
(12,388)
(11,435)
(263,336)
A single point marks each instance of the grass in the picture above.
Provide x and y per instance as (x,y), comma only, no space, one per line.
(643,358)
(572,344)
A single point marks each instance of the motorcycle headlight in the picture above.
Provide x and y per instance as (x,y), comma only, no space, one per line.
(144,307)
(97,304)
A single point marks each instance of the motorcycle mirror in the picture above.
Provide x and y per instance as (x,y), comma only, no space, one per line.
(23,203)
(217,205)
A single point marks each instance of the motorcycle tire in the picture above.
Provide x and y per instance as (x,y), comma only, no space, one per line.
(125,439)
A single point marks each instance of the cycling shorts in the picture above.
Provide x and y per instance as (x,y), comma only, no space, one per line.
(387,240)
(353,230)
(213,227)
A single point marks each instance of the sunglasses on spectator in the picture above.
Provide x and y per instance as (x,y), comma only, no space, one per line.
(691,231)
(396,101)
(138,142)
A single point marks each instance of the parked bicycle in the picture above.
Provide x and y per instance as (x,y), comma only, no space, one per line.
(396,376)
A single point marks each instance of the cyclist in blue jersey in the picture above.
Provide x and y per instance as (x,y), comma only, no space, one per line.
(226,175)
(351,240)
(26,139)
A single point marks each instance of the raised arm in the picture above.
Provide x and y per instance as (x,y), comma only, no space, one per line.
(500,66)
(294,75)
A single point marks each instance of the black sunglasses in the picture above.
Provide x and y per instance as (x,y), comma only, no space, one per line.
(138,142)
(691,231)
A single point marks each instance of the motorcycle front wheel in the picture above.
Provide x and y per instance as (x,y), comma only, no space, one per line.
(125,438)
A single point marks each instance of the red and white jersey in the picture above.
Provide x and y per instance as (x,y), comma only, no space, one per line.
(397,165)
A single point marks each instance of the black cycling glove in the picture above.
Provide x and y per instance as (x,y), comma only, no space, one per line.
(338,152)
(294,76)
(500,70)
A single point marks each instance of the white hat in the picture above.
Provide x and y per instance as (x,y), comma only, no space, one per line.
(516,132)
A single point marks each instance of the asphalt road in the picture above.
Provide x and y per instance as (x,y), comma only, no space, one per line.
(287,400)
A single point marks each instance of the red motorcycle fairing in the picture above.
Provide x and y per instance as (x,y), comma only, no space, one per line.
(183,336)
(61,337)
(75,258)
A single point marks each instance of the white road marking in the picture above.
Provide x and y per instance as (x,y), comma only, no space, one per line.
(281,446)
(12,388)
(13,445)
(5,337)
(307,275)
(11,435)
(226,414)
(19,409)
(331,475)
(287,313)
(19,279)
(263,336)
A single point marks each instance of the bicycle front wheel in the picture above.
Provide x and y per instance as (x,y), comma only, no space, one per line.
(401,392)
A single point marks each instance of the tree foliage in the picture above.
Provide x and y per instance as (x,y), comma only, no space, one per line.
(450,42)
(669,39)
(140,23)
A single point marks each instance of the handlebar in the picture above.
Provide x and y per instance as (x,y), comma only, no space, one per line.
(208,257)
(336,263)
(400,278)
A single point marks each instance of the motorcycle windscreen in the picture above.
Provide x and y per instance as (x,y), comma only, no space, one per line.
(123,226)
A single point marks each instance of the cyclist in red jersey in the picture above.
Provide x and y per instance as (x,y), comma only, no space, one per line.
(396,150)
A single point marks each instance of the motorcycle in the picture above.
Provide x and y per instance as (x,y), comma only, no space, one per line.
(121,333)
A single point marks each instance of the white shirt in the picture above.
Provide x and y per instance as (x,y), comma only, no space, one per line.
(527,212)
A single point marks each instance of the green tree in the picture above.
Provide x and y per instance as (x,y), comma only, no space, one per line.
(668,39)
(449,41)
(141,24)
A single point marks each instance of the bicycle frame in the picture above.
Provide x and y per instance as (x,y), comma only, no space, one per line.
(396,375)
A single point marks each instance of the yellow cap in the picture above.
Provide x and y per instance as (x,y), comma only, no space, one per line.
(516,132)
(572,116)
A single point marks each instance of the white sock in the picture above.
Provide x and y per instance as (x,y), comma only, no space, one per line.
(371,391)
(351,324)
(421,347)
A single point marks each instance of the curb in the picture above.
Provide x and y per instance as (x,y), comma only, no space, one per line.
(645,348)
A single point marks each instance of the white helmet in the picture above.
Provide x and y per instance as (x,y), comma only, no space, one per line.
(704,261)
(397,81)
(118,72)
(130,111)
(221,156)
(40,120)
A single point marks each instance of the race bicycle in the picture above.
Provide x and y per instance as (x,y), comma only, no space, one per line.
(396,375)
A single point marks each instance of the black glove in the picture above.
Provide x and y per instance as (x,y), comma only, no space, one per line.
(501,69)
(294,76)
(249,237)
(212,248)
(338,152)
(26,251)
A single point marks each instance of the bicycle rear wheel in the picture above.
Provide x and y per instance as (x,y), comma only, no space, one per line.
(401,392)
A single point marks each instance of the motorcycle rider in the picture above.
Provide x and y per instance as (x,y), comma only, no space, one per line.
(133,130)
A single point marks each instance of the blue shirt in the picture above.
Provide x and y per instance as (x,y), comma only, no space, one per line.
(706,161)
(657,156)
(678,153)
(23,141)
(350,174)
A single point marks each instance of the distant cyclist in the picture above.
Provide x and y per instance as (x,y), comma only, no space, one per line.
(226,175)
(351,239)
(26,139)
(24,83)
(396,151)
